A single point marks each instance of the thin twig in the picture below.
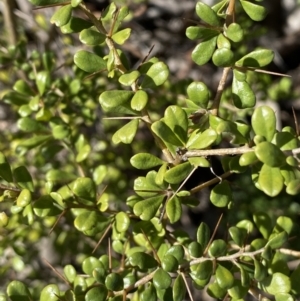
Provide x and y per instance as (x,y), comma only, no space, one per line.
(213,235)
(5,187)
(57,272)
(227,257)
(210,182)
(102,237)
(187,286)
(221,87)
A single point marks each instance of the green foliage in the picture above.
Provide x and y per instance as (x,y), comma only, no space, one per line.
(60,176)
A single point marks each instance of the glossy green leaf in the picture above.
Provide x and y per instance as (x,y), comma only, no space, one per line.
(199,140)
(247,159)
(126,133)
(270,180)
(75,25)
(223,42)
(84,188)
(123,12)
(263,223)
(15,98)
(44,206)
(91,37)
(156,75)
(174,210)
(50,293)
(204,51)
(42,81)
(215,291)
(22,87)
(254,11)
(98,293)
(235,32)
(70,273)
(3,219)
(277,283)
(88,61)
(60,132)
(257,58)
(139,100)
(198,93)
(24,198)
(145,161)
(260,271)
(199,162)
(264,122)
(91,263)
(166,134)
(284,223)
(276,240)
(59,176)
(29,125)
(293,187)
(203,234)
(127,79)
(169,263)
(179,289)
(176,119)
(5,170)
(291,161)
(147,187)
(177,251)
(62,16)
(240,75)
(114,282)
(284,297)
(110,100)
(161,279)
(224,277)
(23,178)
(204,270)
(270,154)
(207,14)
(121,36)
(159,179)
(18,291)
(178,173)
(86,221)
(195,249)
(217,248)
(35,141)
(196,32)
(288,172)
(143,260)
(285,141)
(221,194)
(149,294)
(223,57)
(242,94)
(122,221)
(147,209)
(238,291)
(238,235)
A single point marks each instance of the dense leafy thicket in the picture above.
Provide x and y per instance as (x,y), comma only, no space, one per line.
(96,176)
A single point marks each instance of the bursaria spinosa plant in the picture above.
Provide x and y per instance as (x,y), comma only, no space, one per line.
(120,237)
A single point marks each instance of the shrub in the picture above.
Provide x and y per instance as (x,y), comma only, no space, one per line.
(70,167)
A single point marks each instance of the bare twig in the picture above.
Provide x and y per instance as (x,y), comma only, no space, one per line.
(216,103)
